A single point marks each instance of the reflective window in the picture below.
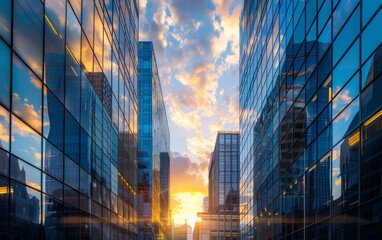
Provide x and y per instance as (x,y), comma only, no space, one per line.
(73,35)
(28,31)
(368,9)
(53,126)
(26,95)
(6,19)
(98,37)
(53,214)
(371,98)
(4,162)
(53,160)
(72,84)
(87,56)
(88,19)
(346,95)
(71,173)
(4,128)
(55,46)
(52,186)
(5,59)
(341,14)
(25,173)
(346,121)
(5,191)
(345,68)
(25,212)
(346,36)
(72,137)
(26,143)
(371,36)
(76,5)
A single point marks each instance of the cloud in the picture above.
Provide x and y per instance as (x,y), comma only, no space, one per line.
(201,146)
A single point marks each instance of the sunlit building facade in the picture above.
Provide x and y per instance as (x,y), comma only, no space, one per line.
(68,119)
(221,220)
(310,119)
(153,149)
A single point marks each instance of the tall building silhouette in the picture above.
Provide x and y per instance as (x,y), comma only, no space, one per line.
(153,150)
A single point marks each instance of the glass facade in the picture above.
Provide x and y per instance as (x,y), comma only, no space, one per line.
(220,219)
(223,178)
(68,119)
(153,149)
(310,119)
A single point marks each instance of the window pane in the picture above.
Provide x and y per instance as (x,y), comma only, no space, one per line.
(53,160)
(347,94)
(4,128)
(26,143)
(371,36)
(53,127)
(25,212)
(346,67)
(73,34)
(5,19)
(5,59)
(55,46)
(72,137)
(88,20)
(346,121)
(25,173)
(4,207)
(26,95)
(28,31)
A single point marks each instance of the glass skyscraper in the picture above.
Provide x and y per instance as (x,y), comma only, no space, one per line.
(221,221)
(68,119)
(310,119)
(153,149)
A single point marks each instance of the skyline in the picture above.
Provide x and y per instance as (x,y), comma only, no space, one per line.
(197,49)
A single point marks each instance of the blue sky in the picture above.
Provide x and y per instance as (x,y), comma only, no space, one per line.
(197,50)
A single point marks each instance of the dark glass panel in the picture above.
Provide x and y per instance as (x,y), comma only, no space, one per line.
(5,69)
(26,143)
(5,192)
(25,212)
(72,137)
(53,126)
(53,160)
(371,98)
(53,218)
(28,31)
(26,95)
(72,172)
(53,187)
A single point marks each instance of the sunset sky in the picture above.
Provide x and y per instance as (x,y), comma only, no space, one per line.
(197,50)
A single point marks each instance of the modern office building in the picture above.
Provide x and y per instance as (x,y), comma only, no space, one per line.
(68,119)
(221,221)
(153,150)
(183,232)
(310,119)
